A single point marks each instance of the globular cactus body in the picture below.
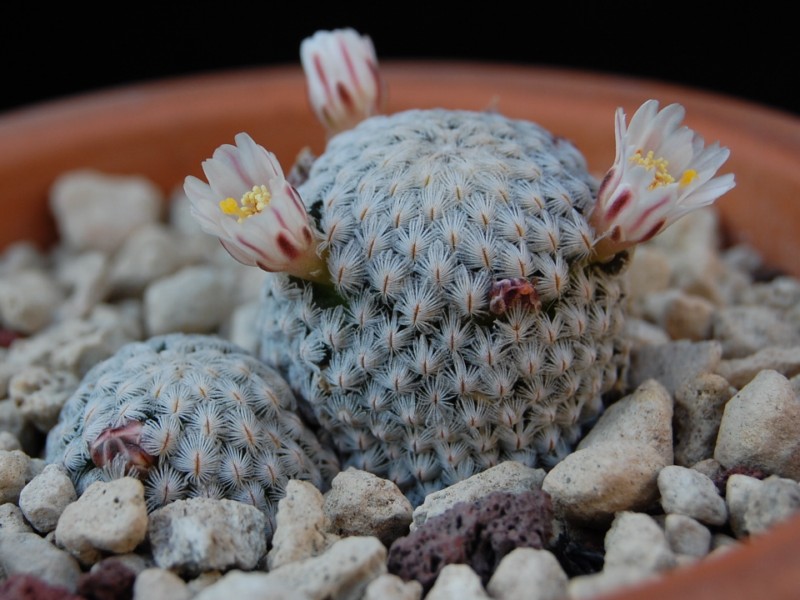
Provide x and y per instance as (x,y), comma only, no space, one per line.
(466,323)
(190,415)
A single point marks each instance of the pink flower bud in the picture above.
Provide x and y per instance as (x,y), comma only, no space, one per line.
(344,85)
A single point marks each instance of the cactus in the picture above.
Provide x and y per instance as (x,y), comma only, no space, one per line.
(464,324)
(446,288)
(190,415)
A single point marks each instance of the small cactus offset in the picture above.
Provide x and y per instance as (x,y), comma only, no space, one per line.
(191,416)
(446,288)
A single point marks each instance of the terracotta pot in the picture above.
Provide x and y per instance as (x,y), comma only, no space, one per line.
(165,129)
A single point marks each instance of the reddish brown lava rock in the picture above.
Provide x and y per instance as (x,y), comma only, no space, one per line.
(24,586)
(7,336)
(478,534)
(721,480)
(109,580)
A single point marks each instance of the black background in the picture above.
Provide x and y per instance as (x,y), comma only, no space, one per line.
(52,52)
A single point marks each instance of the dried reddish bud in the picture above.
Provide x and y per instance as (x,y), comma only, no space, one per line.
(122,442)
(506,292)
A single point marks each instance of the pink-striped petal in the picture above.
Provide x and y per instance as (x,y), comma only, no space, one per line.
(258,217)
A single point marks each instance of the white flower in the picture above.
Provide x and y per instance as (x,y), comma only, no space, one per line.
(344,85)
(258,217)
(661,172)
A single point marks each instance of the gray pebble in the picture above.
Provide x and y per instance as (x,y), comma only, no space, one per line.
(687,536)
(528,574)
(21,255)
(738,490)
(674,363)
(759,427)
(22,552)
(780,294)
(643,417)
(741,371)
(14,470)
(202,534)
(392,587)
(8,441)
(593,484)
(110,517)
(773,501)
(40,393)
(86,278)
(240,328)
(98,211)
(28,300)
(682,316)
(596,585)
(302,528)
(149,253)
(12,520)
(699,404)
(343,572)
(255,585)
(688,492)
(193,300)
(457,582)
(643,333)
(635,540)
(360,503)
(691,245)
(743,330)
(160,584)
(649,273)
(46,496)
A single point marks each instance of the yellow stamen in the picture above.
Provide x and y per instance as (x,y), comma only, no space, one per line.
(252,203)
(688,177)
(650,162)
(230,207)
